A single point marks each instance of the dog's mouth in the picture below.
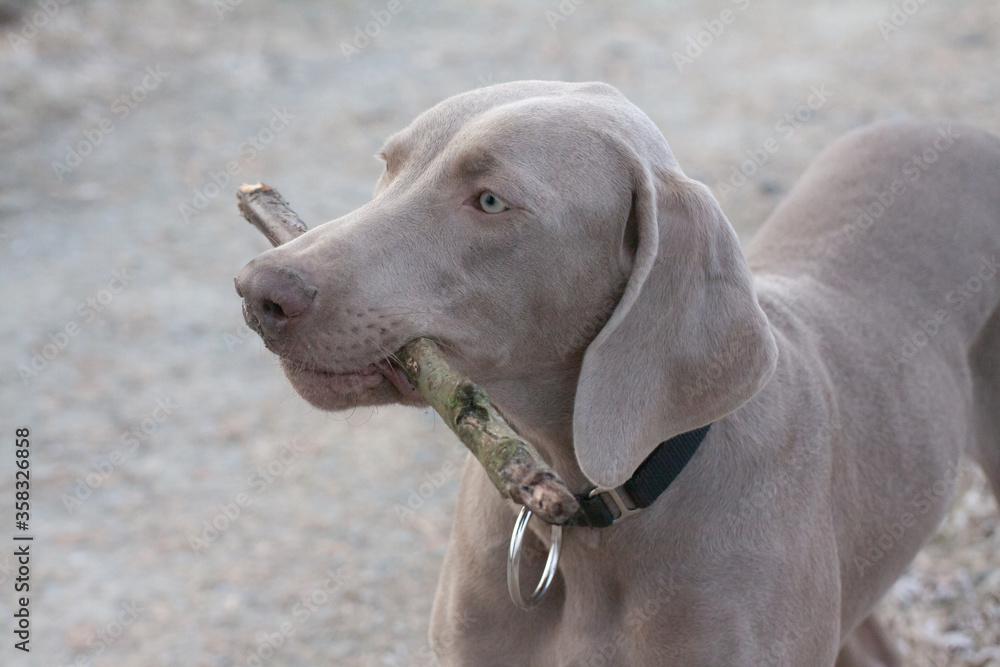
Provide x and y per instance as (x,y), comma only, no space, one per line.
(355,382)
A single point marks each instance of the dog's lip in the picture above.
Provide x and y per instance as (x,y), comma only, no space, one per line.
(370,369)
(362,376)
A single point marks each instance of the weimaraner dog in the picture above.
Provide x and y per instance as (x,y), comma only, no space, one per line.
(545,236)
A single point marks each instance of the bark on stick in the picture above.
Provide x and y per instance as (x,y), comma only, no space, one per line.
(268,211)
(512,464)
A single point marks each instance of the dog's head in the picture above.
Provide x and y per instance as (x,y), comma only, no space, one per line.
(530,228)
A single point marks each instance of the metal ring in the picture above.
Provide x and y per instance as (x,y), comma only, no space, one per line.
(514,563)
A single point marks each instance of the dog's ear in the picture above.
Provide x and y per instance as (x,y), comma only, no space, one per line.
(687,342)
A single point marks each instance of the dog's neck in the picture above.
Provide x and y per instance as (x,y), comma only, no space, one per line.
(540,409)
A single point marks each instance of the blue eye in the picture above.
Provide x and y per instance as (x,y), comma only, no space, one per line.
(490,203)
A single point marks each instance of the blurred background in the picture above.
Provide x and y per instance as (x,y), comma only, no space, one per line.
(187,507)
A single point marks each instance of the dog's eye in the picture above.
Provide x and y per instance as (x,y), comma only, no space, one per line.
(490,203)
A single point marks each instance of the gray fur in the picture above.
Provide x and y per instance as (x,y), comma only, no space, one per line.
(612,308)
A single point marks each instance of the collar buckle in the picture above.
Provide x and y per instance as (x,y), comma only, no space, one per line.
(602,506)
(616,500)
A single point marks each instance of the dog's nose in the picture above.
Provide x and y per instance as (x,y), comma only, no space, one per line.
(273,298)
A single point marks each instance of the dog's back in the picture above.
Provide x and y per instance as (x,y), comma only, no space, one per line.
(906,213)
(888,254)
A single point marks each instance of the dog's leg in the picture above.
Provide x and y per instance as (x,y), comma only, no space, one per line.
(984,361)
(869,646)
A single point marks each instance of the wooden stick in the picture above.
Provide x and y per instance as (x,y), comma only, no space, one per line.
(512,464)
(268,211)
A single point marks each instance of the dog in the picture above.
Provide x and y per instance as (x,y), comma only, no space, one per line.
(545,236)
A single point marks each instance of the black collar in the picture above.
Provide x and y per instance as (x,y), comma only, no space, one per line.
(603,507)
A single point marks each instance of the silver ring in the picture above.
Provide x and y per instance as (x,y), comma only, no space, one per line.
(514,563)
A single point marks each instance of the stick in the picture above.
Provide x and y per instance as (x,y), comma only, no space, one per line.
(268,211)
(512,464)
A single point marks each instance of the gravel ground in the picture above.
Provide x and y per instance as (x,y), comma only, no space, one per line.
(158,415)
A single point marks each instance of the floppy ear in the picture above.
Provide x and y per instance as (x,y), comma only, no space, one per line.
(686,344)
